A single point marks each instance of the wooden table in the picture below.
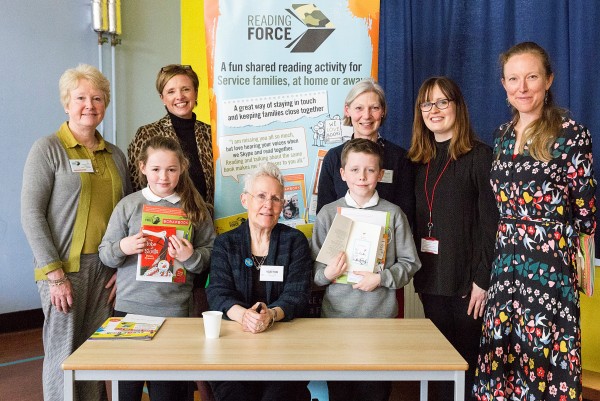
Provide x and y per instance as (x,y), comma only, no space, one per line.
(304,349)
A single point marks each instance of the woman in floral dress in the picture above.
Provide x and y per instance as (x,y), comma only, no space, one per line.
(543,180)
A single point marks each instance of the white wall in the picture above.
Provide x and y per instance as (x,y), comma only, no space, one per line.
(39,40)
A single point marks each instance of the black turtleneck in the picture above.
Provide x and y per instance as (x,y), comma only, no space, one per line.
(184,129)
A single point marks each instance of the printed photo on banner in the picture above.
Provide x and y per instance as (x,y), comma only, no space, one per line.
(294,206)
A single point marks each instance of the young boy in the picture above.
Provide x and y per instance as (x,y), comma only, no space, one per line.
(374,296)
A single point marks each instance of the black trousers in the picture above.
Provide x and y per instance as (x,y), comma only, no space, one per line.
(359,391)
(261,391)
(157,390)
(449,314)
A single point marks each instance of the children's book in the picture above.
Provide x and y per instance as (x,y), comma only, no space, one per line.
(159,223)
(360,241)
(135,327)
(155,261)
(378,217)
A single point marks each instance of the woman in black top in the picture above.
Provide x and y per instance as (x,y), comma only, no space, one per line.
(456,216)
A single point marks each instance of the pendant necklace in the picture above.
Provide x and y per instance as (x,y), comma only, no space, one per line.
(259,261)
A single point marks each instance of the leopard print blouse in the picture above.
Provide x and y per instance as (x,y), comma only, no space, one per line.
(164,127)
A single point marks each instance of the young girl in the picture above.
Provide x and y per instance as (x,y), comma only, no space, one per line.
(163,166)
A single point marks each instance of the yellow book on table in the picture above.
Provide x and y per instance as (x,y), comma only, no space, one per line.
(136,327)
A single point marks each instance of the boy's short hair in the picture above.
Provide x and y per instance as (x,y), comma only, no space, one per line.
(362,145)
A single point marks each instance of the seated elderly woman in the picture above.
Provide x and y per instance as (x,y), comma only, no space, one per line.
(250,297)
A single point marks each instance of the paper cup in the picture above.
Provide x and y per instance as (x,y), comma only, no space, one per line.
(212,323)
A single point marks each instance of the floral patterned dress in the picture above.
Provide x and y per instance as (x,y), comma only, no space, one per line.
(531,342)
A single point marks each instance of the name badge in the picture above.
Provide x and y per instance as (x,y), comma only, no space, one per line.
(429,245)
(81,165)
(388,176)
(271,273)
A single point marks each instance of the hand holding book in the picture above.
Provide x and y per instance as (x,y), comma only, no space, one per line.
(180,248)
(336,267)
(368,282)
(133,244)
(167,232)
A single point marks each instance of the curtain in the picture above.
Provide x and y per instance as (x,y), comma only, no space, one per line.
(463,40)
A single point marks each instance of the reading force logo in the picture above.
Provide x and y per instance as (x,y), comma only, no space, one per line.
(279,27)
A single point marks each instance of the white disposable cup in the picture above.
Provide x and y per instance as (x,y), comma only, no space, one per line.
(212,323)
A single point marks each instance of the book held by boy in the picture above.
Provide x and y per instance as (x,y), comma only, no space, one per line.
(361,240)
(378,217)
(135,327)
(159,223)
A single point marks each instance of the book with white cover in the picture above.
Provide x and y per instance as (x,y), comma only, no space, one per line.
(360,241)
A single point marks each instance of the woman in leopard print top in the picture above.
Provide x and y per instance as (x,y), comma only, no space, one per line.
(177,86)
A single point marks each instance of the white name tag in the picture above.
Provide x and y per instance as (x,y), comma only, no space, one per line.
(429,245)
(388,176)
(271,273)
(81,165)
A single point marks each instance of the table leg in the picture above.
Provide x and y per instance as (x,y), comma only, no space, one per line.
(68,385)
(114,390)
(459,386)
(424,389)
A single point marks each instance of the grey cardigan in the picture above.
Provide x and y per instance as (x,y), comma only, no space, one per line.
(55,201)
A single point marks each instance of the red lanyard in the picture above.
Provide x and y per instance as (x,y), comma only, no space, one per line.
(430,202)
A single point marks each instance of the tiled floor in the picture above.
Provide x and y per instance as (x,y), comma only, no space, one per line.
(21,356)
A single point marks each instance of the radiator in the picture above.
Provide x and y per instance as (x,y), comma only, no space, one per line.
(413,308)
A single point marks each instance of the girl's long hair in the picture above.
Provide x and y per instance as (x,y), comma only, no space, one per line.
(191,201)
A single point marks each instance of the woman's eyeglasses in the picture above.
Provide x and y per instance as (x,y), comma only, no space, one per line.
(441,104)
(262,199)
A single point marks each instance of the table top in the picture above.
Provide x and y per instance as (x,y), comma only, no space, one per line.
(302,344)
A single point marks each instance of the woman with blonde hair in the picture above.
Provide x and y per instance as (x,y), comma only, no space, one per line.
(365,109)
(542,176)
(72,180)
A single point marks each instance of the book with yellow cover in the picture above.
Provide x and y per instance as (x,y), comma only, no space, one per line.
(134,327)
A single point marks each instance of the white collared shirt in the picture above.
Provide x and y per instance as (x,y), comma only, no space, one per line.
(371,202)
(152,197)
